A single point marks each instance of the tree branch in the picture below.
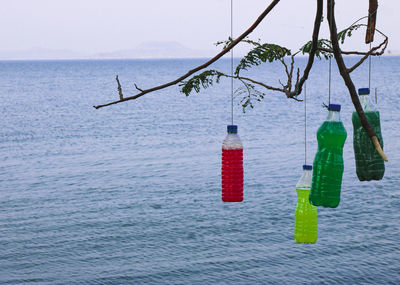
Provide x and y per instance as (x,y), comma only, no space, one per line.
(215,58)
(262,53)
(287,89)
(372,52)
(347,79)
(354,52)
(261,84)
(368,54)
(317,26)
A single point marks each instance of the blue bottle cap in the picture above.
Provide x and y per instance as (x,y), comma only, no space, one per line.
(307,167)
(363,91)
(232,129)
(334,107)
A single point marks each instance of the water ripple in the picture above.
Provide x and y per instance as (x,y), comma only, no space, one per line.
(131,194)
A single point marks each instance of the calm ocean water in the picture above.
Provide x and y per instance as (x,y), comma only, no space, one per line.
(131,193)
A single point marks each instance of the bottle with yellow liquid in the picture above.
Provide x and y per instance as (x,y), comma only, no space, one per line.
(305,216)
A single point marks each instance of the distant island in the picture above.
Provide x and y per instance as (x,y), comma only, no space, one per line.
(158,50)
(145,50)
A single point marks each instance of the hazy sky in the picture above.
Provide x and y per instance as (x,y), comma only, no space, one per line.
(107,25)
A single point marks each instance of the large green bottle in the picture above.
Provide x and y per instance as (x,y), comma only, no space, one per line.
(369,164)
(328,162)
(305,216)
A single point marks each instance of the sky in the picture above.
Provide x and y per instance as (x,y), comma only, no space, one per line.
(95,26)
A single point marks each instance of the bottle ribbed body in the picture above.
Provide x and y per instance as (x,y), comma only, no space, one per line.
(305,218)
(232,175)
(328,165)
(369,164)
(232,169)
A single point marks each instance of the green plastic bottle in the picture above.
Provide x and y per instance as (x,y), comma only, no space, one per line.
(328,162)
(305,216)
(369,164)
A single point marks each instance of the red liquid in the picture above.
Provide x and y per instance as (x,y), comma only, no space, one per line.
(232,175)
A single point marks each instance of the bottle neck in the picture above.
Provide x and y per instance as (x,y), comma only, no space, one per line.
(307,175)
(232,141)
(333,116)
(365,102)
(305,180)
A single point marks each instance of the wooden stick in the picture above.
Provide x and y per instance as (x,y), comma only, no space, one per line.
(373,8)
(378,148)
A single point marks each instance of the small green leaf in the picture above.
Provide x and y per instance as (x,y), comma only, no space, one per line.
(204,80)
(348,32)
(322,43)
(261,53)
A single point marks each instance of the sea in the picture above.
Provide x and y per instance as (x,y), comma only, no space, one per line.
(131,193)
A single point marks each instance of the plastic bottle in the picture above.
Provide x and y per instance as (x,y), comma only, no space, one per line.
(369,164)
(232,166)
(305,216)
(328,162)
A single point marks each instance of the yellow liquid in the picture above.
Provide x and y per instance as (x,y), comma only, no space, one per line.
(305,218)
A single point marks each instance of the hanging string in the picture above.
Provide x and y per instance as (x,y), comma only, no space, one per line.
(369,60)
(305,122)
(370,56)
(330,75)
(232,63)
(369,69)
(330,60)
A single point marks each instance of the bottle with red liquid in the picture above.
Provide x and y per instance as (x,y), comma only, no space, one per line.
(232,166)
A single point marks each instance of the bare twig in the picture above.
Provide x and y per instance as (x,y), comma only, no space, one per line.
(354,52)
(283,89)
(283,86)
(194,70)
(245,85)
(349,70)
(121,96)
(288,86)
(314,46)
(141,90)
(298,77)
(261,84)
(286,68)
(372,52)
(291,65)
(291,73)
(287,89)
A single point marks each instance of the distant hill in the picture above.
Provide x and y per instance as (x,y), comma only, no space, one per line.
(144,50)
(158,50)
(41,53)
